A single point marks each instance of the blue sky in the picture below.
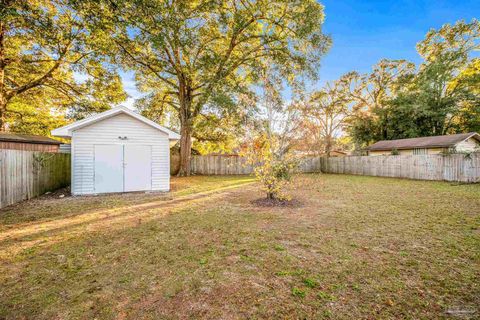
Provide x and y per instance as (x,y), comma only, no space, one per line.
(364,32)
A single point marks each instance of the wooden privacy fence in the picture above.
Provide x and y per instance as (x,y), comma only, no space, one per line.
(455,167)
(27,174)
(233,165)
(220,165)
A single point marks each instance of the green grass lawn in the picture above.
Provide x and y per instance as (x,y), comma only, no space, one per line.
(357,247)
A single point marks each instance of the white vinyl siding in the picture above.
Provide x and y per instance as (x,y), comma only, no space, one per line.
(468,145)
(107,132)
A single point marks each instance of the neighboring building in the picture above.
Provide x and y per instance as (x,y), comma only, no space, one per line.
(118,151)
(28,142)
(337,153)
(464,142)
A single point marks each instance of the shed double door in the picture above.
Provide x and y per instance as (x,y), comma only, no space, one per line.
(122,168)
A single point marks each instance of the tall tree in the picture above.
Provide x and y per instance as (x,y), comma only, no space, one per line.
(44,46)
(214,130)
(446,83)
(370,93)
(194,54)
(278,120)
(441,97)
(326,113)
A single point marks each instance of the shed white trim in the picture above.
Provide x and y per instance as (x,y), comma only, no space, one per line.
(118,151)
(66,131)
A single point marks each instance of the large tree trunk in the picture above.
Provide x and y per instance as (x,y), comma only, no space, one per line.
(328,146)
(186,128)
(185,149)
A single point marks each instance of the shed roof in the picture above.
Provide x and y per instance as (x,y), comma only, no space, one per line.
(66,131)
(423,142)
(26,138)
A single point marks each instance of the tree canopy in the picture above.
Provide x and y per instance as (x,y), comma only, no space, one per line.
(200,63)
(440,96)
(195,56)
(49,63)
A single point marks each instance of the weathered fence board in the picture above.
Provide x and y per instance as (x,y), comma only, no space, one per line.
(220,165)
(455,167)
(26,174)
(234,165)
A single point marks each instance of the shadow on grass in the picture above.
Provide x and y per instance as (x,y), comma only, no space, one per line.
(42,233)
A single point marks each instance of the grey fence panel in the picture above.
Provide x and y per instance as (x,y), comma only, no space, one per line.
(27,174)
(454,167)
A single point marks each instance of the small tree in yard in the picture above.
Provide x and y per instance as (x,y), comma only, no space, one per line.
(274,171)
(269,147)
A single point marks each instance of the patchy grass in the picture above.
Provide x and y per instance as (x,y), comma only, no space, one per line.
(358,247)
(46,207)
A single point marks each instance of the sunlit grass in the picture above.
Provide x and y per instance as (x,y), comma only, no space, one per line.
(60,208)
(116,211)
(358,247)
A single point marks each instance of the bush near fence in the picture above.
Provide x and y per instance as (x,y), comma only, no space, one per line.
(27,174)
(451,167)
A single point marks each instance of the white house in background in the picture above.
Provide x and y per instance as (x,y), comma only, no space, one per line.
(463,142)
(118,151)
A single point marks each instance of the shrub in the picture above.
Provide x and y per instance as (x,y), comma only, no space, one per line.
(272,168)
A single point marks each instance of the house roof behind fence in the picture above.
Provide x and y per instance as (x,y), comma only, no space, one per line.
(26,138)
(423,142)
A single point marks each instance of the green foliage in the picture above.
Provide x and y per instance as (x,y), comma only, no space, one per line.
(325,296)
(27,116)
(311,283)
(395,152)
(219,132)
(441,97)
(50,63)
(197,57)
(299,293)
(273,169)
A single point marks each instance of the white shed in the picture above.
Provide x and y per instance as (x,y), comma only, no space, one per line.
(118,151)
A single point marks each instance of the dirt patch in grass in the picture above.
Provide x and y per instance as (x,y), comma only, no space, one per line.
(357,248)
(57,194)
(265,202)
